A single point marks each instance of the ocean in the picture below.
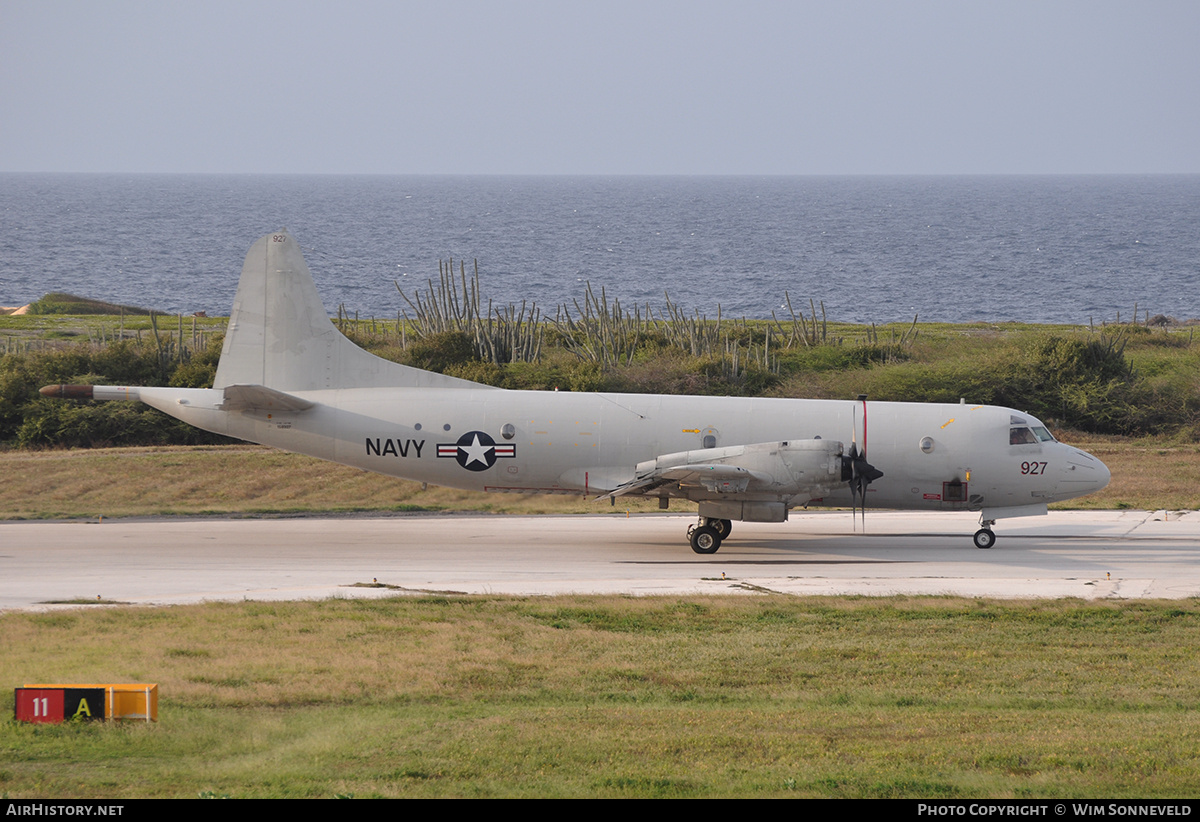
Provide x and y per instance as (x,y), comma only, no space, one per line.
(1069,249)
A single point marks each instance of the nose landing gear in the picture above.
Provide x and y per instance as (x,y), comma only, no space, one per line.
(985,537)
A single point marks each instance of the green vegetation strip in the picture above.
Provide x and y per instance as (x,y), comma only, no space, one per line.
(1117,380)
(619,697)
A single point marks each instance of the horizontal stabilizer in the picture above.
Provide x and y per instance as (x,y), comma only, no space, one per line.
(261,398)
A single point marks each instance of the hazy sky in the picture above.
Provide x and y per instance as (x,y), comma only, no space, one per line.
(600,87)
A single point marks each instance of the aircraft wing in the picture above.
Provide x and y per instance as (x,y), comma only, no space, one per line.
(713,476)
(261,398)
(792,468)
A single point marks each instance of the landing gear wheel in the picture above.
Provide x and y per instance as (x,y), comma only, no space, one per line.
(985,538)
(705,540)
(721,526)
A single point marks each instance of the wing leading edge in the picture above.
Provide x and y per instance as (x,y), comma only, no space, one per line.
(793,470)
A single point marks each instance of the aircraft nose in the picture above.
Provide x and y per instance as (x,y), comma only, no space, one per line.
(1082,474)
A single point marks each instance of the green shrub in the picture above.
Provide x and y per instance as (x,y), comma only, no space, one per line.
(29,420)
(200,369)
(840,357)
(1079,383)
(437,352)
(920,382)
(556,373)
(485,373)
(92,424)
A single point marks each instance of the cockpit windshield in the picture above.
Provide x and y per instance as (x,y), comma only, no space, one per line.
(1021,436)
(1021,433)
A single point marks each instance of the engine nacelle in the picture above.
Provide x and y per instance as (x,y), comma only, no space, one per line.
(808,468)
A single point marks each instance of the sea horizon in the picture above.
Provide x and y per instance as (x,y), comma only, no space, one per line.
(1060,248)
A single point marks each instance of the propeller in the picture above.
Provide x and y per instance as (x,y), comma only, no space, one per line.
(857,471)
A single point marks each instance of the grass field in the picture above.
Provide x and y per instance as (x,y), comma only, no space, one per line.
(620,697)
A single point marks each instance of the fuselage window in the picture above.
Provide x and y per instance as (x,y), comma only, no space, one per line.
(1021,436)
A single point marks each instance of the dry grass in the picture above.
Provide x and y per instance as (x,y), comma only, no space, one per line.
(1147,473)
(119,482)
(621,696)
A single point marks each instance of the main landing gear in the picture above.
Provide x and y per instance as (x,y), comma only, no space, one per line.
(706,535)
(985,537)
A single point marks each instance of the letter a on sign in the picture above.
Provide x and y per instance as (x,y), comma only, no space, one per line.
(83,703)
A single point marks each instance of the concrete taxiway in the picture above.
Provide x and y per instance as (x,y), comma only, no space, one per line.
(1092,554)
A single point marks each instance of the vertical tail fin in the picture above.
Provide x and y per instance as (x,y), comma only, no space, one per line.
(280,336)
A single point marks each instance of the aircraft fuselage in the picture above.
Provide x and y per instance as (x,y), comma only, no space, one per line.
(937,456)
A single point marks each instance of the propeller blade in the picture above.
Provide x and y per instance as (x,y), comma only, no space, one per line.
(856,471)
(863,399)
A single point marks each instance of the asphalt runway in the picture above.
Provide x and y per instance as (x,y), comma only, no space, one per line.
(1092,554)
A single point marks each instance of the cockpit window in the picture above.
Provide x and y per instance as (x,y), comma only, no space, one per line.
(1042,434)
(1020,436)
(1013,419)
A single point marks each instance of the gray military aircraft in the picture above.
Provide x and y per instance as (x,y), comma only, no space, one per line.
(287,378)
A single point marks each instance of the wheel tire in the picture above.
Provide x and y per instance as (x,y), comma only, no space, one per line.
(985,538)
(705,540)
(721,526)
